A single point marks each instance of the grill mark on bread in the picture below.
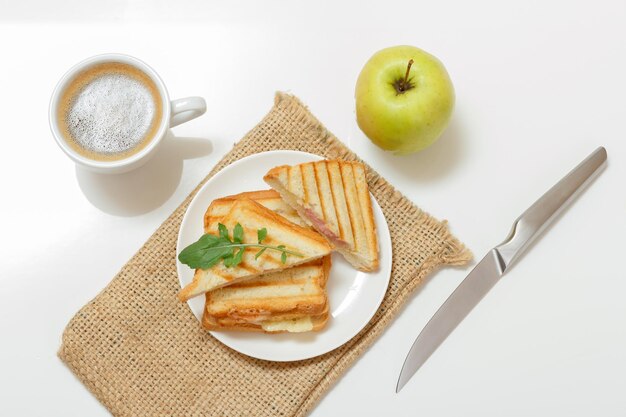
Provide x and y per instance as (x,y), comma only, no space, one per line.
(250,269)
(348,204)
(368,215)
(261,283)
(336,183)
(332,194)
(295,182)
(313,199)
(305,192)
(317,185)
(327,198)
(269,256)
(288,177)
(360,244)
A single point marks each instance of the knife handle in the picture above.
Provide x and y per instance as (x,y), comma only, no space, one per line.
(537,217)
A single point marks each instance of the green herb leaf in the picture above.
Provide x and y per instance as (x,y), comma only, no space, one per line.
(259,253)
(192,255)
(210,249)
(238,257)
(223,231)
(238,233)
(283,256)
(261,234)
(214,254)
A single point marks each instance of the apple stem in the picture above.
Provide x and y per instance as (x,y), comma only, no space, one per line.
(404,85)
(406,76)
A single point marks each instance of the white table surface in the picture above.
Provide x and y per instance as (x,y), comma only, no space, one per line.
(539,85)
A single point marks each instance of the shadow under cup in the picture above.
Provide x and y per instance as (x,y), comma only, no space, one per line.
(122,88)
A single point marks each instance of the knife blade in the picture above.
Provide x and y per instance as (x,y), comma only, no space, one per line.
(526,228)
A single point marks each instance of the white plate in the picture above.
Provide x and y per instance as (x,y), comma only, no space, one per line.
(354,296)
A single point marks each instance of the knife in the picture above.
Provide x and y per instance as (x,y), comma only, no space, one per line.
(498,261)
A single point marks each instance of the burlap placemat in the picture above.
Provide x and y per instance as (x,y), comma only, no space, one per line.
(142,353)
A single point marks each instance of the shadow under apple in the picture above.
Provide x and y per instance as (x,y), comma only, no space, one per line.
(434,162)
(146,188)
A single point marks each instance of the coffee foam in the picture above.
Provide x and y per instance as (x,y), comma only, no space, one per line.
(110,111)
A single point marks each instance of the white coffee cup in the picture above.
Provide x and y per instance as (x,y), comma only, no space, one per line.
(174,113)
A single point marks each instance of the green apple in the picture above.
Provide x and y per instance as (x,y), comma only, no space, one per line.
(404,99)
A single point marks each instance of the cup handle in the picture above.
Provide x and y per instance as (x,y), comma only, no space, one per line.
(186,109)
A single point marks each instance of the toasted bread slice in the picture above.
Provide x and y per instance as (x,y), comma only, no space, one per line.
(267,198)
(299,324)
(332,197)
(253,216)
(293,292)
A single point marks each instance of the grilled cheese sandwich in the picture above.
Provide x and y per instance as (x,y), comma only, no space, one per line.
(253,216)
(333,198)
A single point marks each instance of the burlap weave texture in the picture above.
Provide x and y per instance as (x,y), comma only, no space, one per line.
(142,353)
